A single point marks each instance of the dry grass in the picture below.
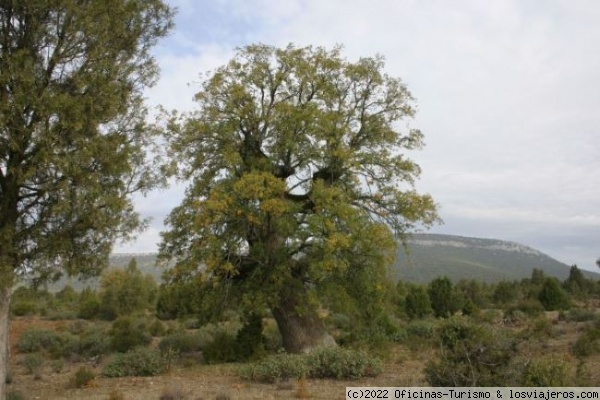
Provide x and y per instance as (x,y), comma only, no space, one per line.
(403,368)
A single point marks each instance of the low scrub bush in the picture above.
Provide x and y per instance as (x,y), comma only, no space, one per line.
(552,373)
(33,364)
(55,344)
(127,334)
(23,307)
(578,315)
(588,343)
(471,355)
(181,342)
(82,377)
(140,361)
(223,348)
(337,363)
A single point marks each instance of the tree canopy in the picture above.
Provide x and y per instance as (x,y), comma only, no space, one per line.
(297,179)
(73,139)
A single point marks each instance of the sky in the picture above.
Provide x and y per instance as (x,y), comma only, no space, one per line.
(507,92)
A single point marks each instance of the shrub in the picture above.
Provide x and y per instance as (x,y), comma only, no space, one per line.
(579,315)
(137,362)
(471,355)
(157,328)
(553,373)
(587,344)
(276,367)
(94,342)
(89,308)
(181,342)
(339,363)
(335,362)
(531,308)
(417,304)
(33,340)
(250,341)
(223,348)
(23,307)
(83,376)
(126,334)
(33,364)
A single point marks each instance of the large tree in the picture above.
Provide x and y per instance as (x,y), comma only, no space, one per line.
(72,136)
(296,174)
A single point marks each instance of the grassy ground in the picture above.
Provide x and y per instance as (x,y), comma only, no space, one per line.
(403,367)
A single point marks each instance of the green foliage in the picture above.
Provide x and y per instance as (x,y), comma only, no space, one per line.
(82,377)
(505,292)
(127,334)
(23,307)
(529,308)
(579,315)
(553,297)
(291,154)
(417,304)
(548,373)
(334,363)
(125,292)
(444,299)
(89,304)
(340,363)
(137,362)
(250,341)
(181,342)
(33,340)
(223,348)
(588,343)
(471,355)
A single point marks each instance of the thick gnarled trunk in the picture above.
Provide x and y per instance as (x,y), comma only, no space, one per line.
(300,326)
(4,312)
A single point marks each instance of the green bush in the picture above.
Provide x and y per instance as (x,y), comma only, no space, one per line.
(223,348)
(157,328)
(94,342)
(181,342)
(531,308)
(82,377)
(127,334)
(140,361)
(23,307)
(471,355)
(276,367)
(339,363)
(552,373)
(34,339)
(588,343)
(250,341)
(336,363)
(579,315)
(43,340)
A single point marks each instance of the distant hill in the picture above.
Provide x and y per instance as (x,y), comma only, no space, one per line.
(488,260)
(430,256)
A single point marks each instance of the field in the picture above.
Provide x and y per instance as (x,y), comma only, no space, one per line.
(550,339)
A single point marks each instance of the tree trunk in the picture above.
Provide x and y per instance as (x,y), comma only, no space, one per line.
(299,324)
(4,310)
